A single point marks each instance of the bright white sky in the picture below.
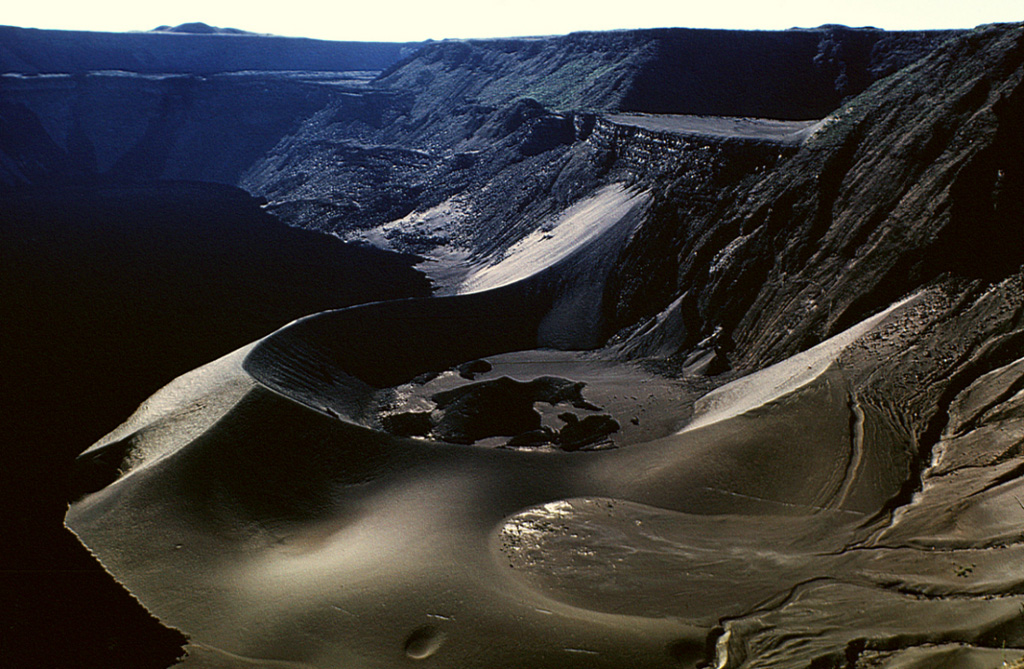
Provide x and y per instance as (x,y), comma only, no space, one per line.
(406,20)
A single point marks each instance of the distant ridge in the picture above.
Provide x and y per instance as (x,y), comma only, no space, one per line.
(200,28)
(207,50)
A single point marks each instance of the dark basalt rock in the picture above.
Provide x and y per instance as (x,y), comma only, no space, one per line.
(577,433)
(486,409)
(538,437)
(407,424)
(500,407)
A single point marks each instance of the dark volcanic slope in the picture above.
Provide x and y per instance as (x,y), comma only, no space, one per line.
(507,111)
(796,74)
(916,179)
(132,127)
(331,153)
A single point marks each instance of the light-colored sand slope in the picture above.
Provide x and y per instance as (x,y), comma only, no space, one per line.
(579,226)
(548,300)
(283,534)
(783,378)
(587,234)
(182,410)
(262,520)
(760,129)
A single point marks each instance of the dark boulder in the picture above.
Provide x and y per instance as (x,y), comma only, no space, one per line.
(407,423)
(500,407)
(578,433)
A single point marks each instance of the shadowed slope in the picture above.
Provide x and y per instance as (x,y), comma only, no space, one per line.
(794,74)
(108,291)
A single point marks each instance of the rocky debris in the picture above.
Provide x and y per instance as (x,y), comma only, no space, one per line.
(540,129)
(486,409)
(575,434)
(357,165)
(549,389)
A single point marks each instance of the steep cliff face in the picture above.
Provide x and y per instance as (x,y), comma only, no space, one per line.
(325,178)
(796,74)
(907,182)
(707,150)
(914,187)
(167,104)
(131,127)
(507,112)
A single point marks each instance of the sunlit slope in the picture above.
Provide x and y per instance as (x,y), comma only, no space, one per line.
(276,532)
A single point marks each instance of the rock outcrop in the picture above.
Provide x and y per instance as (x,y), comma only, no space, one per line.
(908,183)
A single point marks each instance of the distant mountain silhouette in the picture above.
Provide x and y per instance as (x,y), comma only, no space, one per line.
(199,28)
